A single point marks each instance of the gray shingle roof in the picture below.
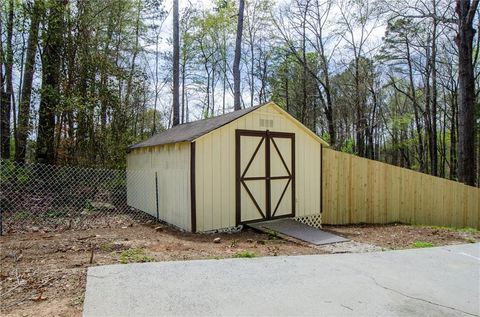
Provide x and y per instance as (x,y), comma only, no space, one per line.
(190,131)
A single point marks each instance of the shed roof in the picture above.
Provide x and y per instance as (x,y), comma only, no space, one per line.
(190,131)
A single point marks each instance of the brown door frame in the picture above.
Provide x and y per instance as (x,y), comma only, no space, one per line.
(267,137)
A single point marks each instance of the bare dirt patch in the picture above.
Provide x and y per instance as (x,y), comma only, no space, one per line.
(43,273)
(399,236)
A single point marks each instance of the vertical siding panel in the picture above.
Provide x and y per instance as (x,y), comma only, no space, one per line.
(448,204)
(327,212)
(312,163)
(207,183)
(300,181)
(338,188)
(216,186)
(199,180)
(231,176)
(224,177)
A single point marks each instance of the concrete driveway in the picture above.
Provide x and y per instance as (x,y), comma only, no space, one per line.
(442,281)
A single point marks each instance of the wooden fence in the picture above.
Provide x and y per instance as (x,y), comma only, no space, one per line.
(359,190)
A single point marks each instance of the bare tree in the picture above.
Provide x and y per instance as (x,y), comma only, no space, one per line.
(314,16)
(238,53)
(24,106)
(176,66)
(358,20)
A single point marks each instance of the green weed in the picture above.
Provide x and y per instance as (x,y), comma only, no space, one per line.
(272,235)
(134,256)
(244,254)
(465,229)
(422,244)
(468,230)
(22,215)
(54,213)
(107,247)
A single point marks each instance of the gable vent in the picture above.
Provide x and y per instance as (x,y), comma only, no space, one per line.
(266,123)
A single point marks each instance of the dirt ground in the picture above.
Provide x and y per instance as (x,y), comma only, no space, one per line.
(398,236)
(43,273)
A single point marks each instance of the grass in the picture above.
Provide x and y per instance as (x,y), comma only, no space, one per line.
(216,257)
(466,229)
(22,215)
(54,213)
(244,254)
(107,247)
(272,235)
(422,244)
(135,256)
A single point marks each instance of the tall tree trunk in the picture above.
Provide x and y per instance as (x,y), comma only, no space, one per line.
(238,54)
(176,66)
(183,91)
(213,90)
(224,79)
(416,108)
(466,91)
(29,70)
(154,129)
(4,104)
(52,55)
(8,97)
(360,129)
(287,96)
(453,138)
(305,65)
(433,68)
(252,69)
(329,108)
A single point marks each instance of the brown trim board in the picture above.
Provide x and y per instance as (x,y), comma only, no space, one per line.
(268,184)
(193,200)
(237,178)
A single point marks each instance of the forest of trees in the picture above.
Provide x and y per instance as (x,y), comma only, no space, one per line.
(391,80)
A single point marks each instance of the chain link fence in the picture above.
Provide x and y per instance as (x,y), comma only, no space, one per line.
(36,197)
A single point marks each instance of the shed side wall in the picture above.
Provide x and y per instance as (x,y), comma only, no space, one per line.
(171,163)
(215,168)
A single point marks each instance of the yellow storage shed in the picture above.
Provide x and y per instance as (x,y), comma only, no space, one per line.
(249,165)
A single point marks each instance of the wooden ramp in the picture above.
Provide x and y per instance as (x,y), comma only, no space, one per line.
(297,230)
